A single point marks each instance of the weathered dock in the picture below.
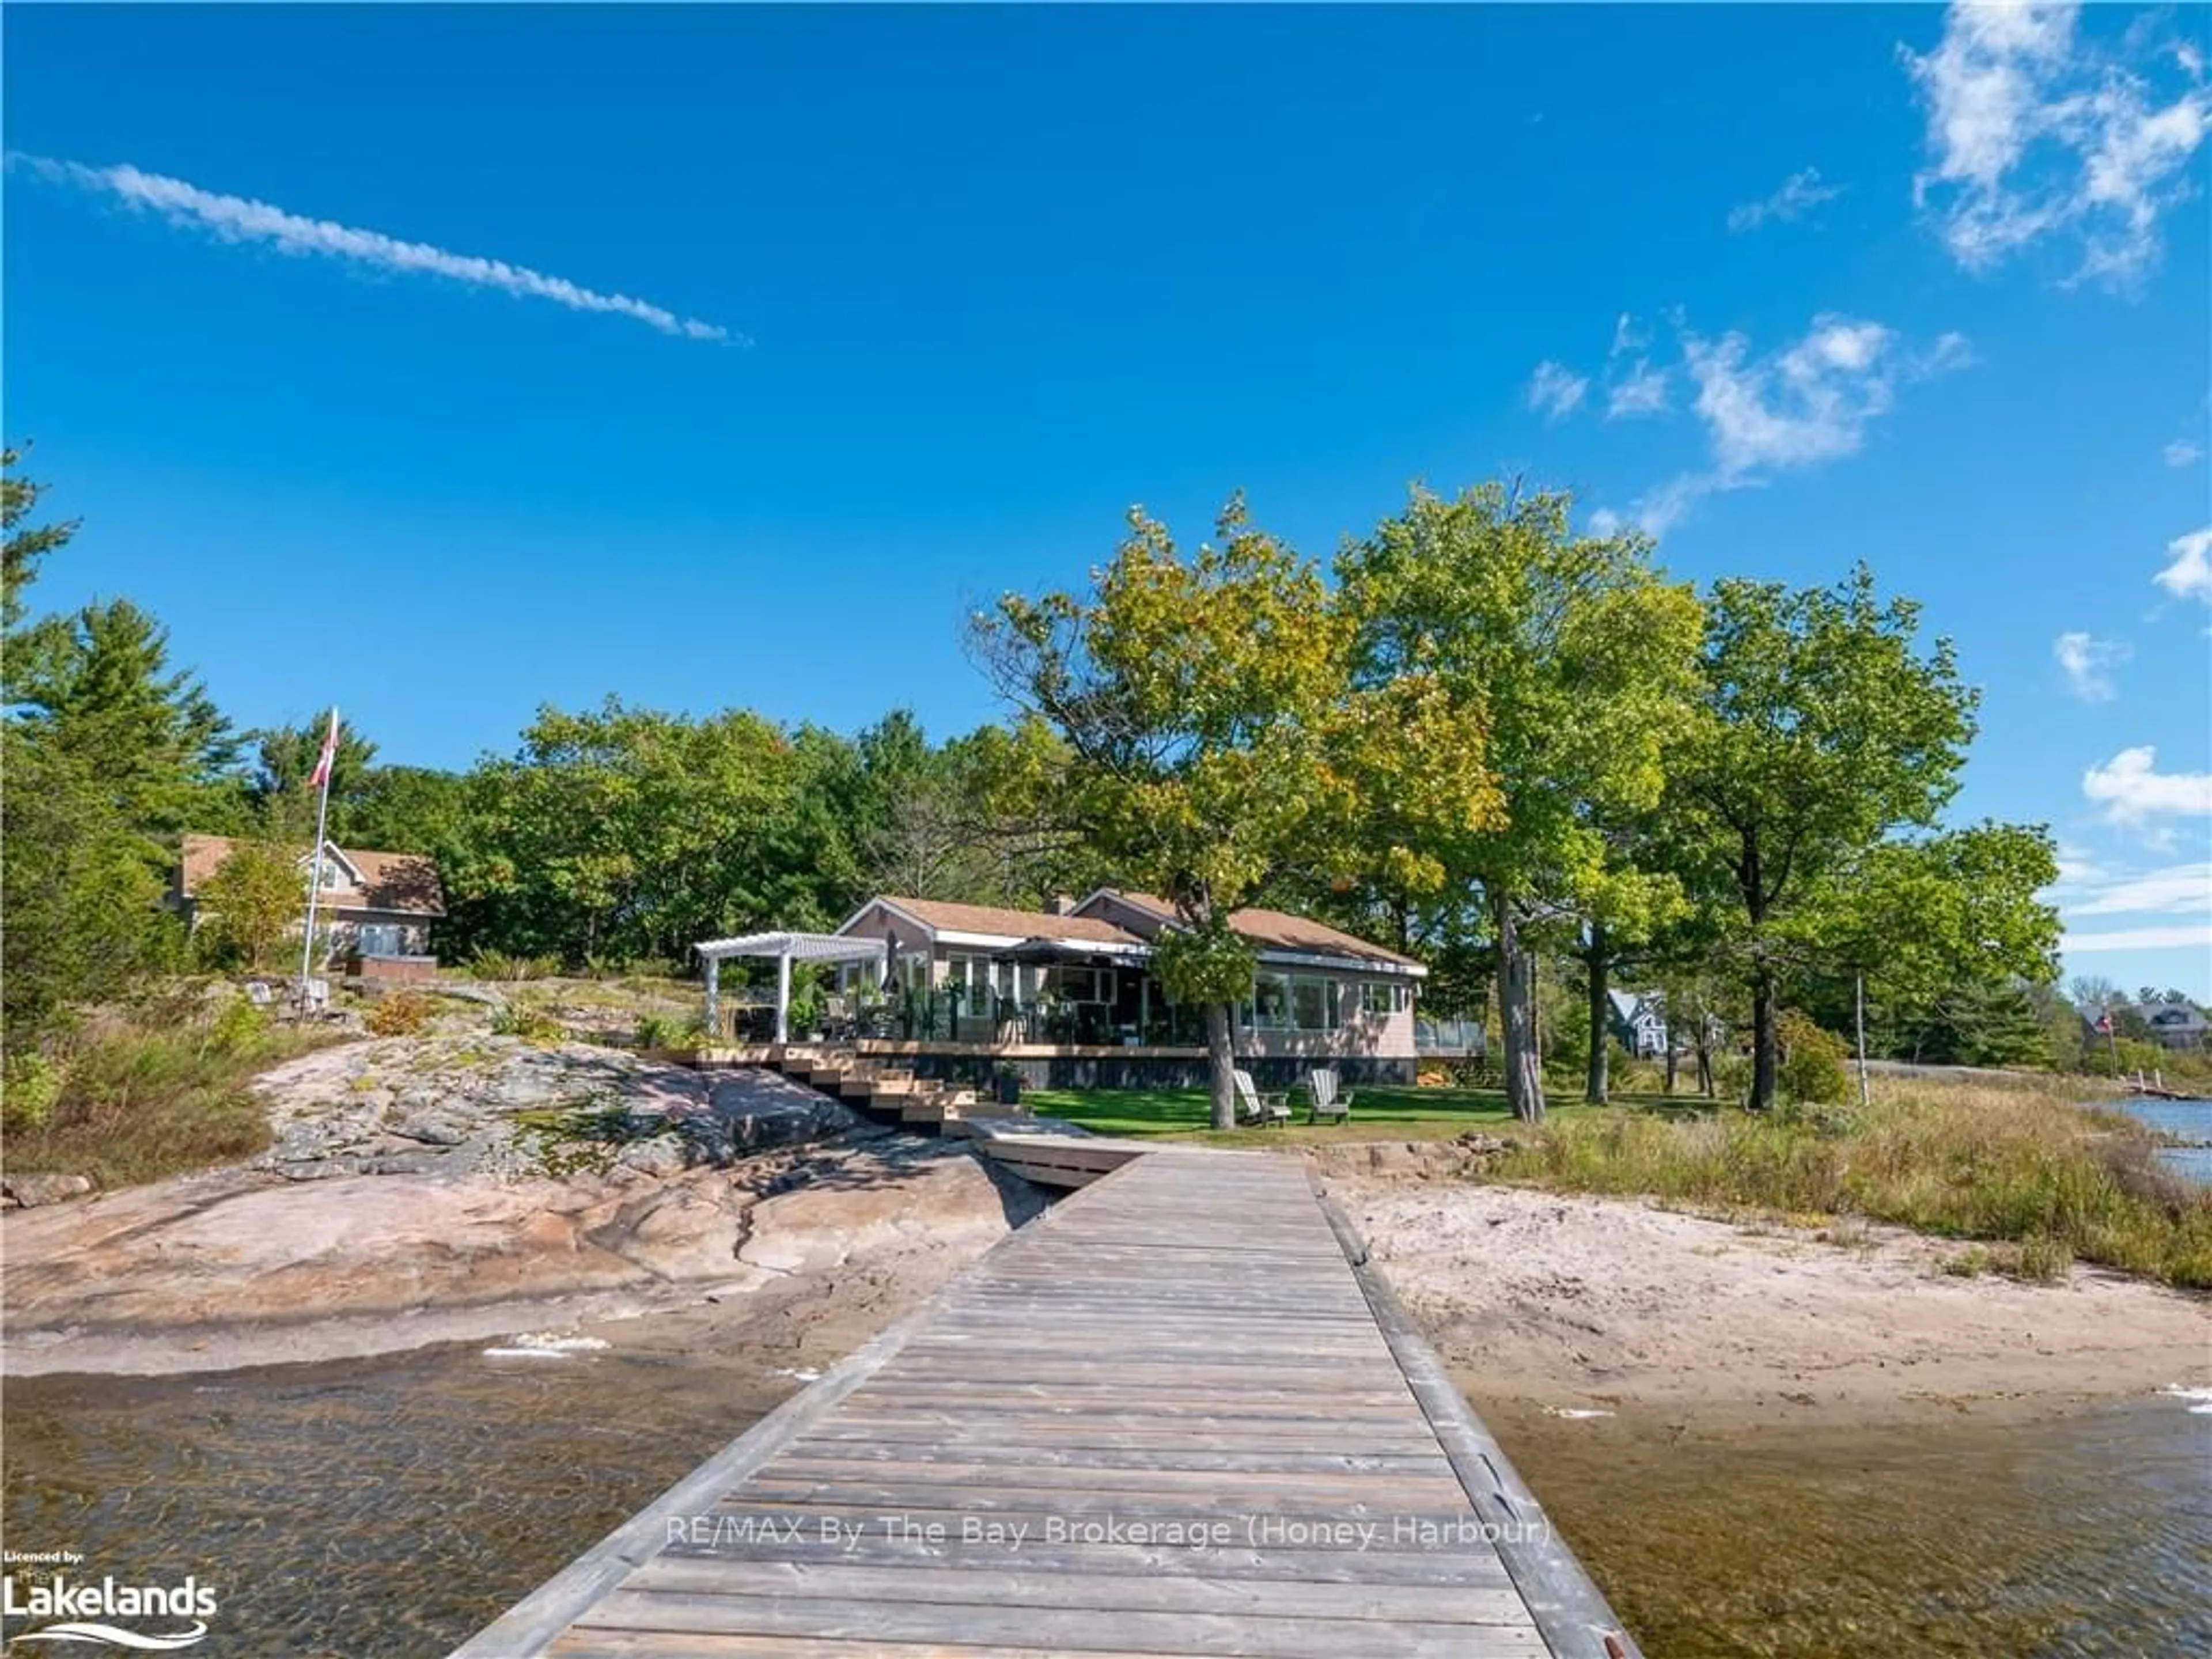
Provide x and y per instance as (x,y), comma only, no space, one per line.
(1179,1414)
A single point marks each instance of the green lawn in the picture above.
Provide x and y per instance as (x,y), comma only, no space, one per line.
(1386,1113)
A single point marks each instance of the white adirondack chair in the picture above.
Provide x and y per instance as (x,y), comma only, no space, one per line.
(1327,1101)
(1256,1109)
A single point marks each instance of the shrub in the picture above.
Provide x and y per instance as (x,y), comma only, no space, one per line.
(1812,1069)
(520,1020)
(401,1013)
(238,1027)
(499,965)
(1972,1263)
(28,1089)
(668,1031)
(2045,1261)
(144,1098)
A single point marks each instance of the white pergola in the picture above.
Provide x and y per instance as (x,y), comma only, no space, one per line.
(786,948)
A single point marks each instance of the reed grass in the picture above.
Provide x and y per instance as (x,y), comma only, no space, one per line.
(2053,1180)
(157,1094)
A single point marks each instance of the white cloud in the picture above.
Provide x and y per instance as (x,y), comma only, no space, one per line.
(2033,134)
(2088,662)
(2179,890)
(1605,522)
(1800,194)
(2198,934)
(2132,790)
(1627,337)
(2184,451)
(1809,403)
(1556,389)
(1644,391)
(239,219)
(2190,575)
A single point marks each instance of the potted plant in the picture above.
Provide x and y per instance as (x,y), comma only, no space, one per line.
(1008,1085)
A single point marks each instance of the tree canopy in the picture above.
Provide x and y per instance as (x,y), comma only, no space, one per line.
(1479,736)
(1822,731)
(1216,746)
(1577,657)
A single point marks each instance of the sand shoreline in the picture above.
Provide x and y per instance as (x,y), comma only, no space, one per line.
(1540,1304)
(1561,1305)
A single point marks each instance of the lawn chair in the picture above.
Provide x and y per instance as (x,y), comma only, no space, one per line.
(1327,1101)
(1258,1110)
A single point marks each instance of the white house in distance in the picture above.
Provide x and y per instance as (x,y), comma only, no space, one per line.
(1074,984)
(1639,1021)
(375,908)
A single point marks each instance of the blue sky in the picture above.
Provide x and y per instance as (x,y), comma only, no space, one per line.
(442,362)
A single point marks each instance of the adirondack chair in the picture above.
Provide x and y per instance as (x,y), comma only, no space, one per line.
(1255,1108)
(1328,1102)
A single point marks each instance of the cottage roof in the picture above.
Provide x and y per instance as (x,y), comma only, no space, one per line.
(1279,930)
(403,882)
(946,917)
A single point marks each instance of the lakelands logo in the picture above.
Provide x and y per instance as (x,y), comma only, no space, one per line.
(83,1611)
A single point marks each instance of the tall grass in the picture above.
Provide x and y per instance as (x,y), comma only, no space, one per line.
(2056,1180)
(155,1094)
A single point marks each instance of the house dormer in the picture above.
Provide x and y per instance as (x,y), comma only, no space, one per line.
(339,873)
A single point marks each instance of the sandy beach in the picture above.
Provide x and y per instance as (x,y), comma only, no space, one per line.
(1568,1305)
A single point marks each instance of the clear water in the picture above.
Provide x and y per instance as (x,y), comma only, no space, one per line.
(385,1510)
(2085,1537)
(2191,1119)
(367,1510)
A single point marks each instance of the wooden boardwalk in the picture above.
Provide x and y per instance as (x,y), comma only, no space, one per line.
(1176,1415)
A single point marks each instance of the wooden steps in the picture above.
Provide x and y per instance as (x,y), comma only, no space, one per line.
(889,1092)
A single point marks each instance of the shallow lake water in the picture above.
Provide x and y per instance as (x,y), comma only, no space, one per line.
(2190,1121)
(385,1510)
(2087,1536)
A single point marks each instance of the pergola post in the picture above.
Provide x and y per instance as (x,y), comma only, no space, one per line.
(783,996)
(713,999)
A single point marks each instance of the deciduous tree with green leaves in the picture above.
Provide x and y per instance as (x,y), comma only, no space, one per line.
(1581,659)
(252,899)
(1941,931)
(1823,730)
(1214,744)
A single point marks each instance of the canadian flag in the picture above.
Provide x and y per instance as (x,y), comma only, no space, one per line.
(322,773)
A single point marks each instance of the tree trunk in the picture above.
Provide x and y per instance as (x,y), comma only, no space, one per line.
(1764,1050)
(1704,1053)
(1220,1062)
(1673,1056)
(1601,1043)
(1517,1014)
(1751,876)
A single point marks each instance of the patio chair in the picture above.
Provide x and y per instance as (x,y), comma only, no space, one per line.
(1255,1108)
(1327,1101)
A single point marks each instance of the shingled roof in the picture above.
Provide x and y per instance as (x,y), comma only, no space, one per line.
(1279,930)
(946,917)
(405,883)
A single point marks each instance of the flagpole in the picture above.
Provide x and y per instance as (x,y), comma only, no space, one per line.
(326,766)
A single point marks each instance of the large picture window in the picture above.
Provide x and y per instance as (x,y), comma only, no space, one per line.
(1291,1002)
(1379,998)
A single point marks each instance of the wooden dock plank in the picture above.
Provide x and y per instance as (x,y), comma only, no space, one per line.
(1175,1416)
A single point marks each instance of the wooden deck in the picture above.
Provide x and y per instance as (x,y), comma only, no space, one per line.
(1179,1414)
